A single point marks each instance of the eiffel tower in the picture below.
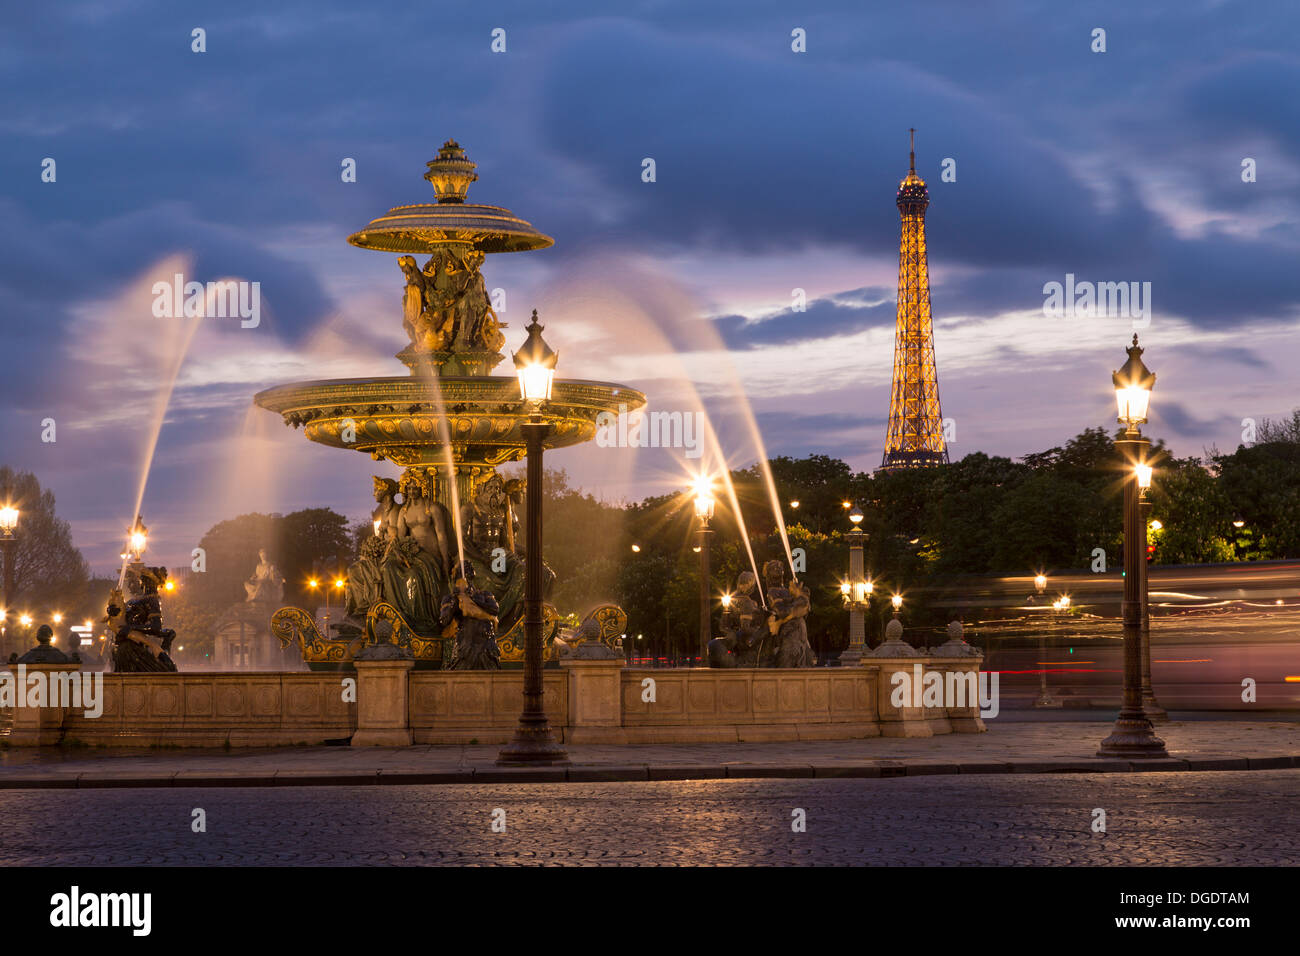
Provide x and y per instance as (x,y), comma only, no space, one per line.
(915,438)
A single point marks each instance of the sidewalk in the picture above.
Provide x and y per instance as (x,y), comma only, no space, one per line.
(1029,747)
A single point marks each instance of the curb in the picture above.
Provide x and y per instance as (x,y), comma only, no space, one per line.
(869,769)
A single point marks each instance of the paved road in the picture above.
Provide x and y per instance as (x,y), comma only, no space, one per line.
(1224,818)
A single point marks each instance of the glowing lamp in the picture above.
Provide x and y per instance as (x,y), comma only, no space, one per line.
(1133,384)
(864,589)
(8,519)
(726,601)
(25,620)
(1040,582)
(1143,472)
(855,515)
(58,618)
(845,588)
(897,601)
(535,365)
(704,500)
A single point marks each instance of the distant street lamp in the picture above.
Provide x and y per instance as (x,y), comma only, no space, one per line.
(138,540)
(8,525)
(897,601)
(704,506)
(857,592)
(534,743)
(1133,735)
(1045,698)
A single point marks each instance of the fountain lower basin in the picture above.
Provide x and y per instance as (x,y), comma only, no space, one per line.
(400,419)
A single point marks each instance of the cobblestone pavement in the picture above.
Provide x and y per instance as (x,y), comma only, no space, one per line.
(1192,818)
(1005,741)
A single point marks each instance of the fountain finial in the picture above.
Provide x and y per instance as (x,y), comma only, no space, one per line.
(451,173)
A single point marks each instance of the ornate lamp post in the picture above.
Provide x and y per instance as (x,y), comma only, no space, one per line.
(1133,735)
(857,592)
(704,505)
(1155,713)
(534,743)
(1045,698)
(8,524)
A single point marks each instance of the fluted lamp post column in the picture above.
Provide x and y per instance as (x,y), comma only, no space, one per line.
(704,507)
(534,742)
(1133,735)
(857,592)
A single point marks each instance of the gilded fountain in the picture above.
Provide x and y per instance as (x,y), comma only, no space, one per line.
(448,424)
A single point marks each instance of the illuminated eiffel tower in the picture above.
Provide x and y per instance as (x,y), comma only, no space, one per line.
(915,438)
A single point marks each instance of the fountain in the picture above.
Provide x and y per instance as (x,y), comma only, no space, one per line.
(448,424)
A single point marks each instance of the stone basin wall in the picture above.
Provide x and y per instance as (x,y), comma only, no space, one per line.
(240,709)
(587,701)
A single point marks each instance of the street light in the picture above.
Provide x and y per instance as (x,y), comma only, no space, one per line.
(856,590)
(138,538)
(1045,698)
(1133,735)
(8,525)
(702,489)
(534,743)
(897,601)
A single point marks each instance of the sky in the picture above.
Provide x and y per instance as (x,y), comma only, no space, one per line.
(775,170)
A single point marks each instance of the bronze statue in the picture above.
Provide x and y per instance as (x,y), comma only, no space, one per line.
(140,643)
(386,507)
(413,316)
(423,517)
(789,607)
(365,578)
(470,614)
(744,626)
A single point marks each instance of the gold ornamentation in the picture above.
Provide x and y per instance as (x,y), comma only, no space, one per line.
(290,624)
(512,643)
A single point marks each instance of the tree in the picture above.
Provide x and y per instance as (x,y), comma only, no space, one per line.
(1193,513)
(49,572)
(1261,486)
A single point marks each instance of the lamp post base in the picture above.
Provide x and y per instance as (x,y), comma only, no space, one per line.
(533,745)
(1132,737)
(852,655)
(1153,711)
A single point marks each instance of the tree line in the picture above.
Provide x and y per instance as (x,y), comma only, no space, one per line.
(925,529)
